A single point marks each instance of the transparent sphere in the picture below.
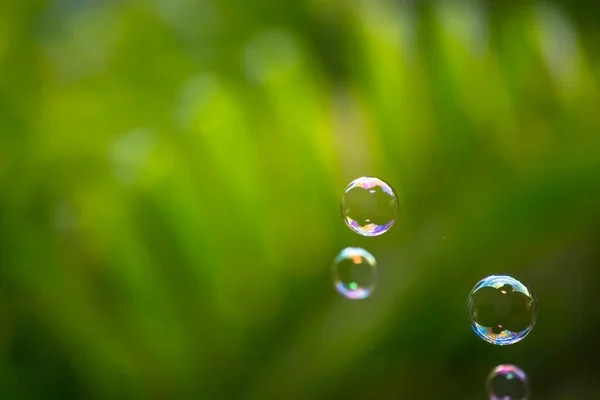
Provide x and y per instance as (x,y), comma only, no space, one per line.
(502,310)
(369,206)
(507,382)
(354,273)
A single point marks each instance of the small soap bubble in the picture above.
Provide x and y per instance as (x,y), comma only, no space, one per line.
(507,382)
(369,206)
(502,310)
(354,273)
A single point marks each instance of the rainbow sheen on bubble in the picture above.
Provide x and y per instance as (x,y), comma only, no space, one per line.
(507,382)
(502,310)
(369,206)
(354,273)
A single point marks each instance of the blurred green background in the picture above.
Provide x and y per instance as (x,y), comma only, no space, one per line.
(170,177)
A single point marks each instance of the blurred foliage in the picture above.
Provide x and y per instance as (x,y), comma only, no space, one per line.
(170,174)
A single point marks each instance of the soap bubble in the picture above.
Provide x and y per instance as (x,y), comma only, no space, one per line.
(369,206)
(507,382)
(502,310)
(354,273)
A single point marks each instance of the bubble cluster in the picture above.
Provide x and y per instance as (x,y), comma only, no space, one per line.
(507,382)
(502,310)
(369,206)
(355,273)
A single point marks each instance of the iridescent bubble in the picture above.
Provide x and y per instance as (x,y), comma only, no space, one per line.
(502,310)
(355,273)
(369,206)
(507,382)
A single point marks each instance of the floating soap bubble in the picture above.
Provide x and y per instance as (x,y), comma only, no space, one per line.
(369,206)
(502,310)
(507,382)
(355,273)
